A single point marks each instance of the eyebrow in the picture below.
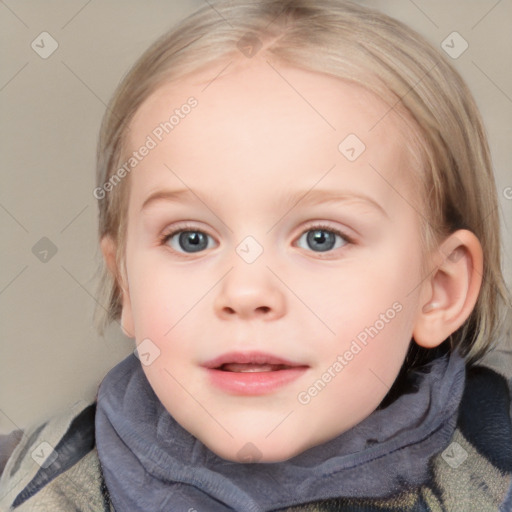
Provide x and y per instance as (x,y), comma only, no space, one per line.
(178,195)
(305,197)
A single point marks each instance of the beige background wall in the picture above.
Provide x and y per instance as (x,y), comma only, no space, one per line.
(51,109)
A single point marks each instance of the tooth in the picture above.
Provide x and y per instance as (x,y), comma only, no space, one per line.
(250,367)
(254,370)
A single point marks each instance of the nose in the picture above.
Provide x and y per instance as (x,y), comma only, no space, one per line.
(250,291)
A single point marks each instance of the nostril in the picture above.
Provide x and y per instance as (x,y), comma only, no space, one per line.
(261,309)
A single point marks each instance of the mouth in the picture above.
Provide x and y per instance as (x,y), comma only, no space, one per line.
(252,367)
(244,362)
(252,373)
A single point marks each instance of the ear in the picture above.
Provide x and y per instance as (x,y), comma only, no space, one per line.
(109,251)
(450,293)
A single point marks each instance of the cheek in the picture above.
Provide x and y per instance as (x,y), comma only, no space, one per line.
(162,298)
(355,297)
(371,310)
(352,380)
(370,361)
(166,306)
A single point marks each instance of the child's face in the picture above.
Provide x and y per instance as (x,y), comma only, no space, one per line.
(255,158)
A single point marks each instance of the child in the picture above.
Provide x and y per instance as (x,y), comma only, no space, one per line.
(271,372)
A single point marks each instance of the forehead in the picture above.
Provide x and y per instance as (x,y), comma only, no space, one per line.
(263,123)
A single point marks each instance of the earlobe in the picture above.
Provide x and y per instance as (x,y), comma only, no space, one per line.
(450,293)
(109,251)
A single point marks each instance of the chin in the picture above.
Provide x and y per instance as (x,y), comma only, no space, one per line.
(254,452)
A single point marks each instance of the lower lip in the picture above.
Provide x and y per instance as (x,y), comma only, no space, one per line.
(254,383)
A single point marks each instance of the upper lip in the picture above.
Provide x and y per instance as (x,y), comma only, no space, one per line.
(248,358)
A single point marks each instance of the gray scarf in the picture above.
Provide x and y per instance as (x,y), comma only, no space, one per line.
(150,463)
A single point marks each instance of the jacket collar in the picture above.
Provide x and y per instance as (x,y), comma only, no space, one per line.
(149,461)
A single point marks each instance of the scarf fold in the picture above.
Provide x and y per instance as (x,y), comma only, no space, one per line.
(150,462)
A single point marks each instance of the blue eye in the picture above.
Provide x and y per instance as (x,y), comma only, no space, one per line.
(323,239)
(189,241)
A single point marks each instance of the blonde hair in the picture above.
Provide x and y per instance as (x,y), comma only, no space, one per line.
(362,46)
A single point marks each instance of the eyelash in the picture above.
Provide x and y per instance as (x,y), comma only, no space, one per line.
(166,236)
